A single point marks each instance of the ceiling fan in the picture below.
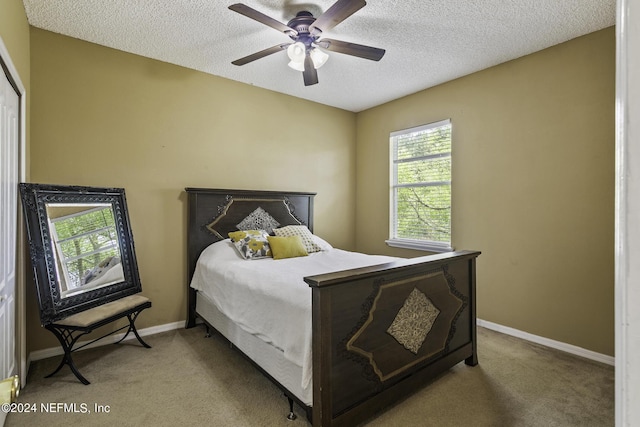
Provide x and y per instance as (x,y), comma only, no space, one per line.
(305,31)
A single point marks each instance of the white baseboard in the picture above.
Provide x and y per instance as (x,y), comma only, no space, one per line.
(568,348)
(55,351)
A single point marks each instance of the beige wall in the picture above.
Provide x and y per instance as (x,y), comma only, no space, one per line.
(533,185)
(107,118)
(533,168)
(14,30)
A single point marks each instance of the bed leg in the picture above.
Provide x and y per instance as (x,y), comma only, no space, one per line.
(291,415)
(471,361)
(207,333)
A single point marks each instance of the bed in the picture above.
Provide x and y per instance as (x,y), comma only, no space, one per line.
(373,334)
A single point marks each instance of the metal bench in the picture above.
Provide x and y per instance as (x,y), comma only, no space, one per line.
(70,329)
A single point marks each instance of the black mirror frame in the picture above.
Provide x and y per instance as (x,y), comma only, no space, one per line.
(52,306)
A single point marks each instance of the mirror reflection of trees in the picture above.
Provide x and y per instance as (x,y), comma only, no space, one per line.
(86,243)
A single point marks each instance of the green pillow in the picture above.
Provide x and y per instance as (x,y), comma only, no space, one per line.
(286,247)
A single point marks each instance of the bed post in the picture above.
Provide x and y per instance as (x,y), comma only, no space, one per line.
(321,317)
(191,309)
(191,257)
(473,360)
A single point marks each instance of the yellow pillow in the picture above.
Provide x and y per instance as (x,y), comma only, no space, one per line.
(286,247)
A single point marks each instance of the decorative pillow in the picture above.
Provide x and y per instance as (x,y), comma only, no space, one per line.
(252,244)
(259,219)
(303,232)
(286,247)
(323,244)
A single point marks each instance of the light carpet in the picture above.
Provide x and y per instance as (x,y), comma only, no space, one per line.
(187,379)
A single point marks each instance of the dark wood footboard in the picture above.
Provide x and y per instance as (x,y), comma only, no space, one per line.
(380,333)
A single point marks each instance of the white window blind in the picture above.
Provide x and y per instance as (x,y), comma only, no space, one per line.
(421,187)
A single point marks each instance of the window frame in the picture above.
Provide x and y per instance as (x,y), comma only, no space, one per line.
(416,244)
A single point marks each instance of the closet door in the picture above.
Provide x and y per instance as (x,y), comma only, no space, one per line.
(9,144)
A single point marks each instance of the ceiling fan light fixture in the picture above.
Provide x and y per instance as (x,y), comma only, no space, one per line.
(297,52)
(298,66)
(318,57)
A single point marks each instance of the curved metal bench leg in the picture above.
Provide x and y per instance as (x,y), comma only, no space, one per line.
(132,328)
(125,335)
(75,371)
(135,331)
(132,318)
(67,341)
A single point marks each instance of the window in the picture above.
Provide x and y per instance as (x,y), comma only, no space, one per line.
(421,187)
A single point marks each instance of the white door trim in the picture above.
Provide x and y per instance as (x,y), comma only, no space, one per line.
(22,168)
(627,243)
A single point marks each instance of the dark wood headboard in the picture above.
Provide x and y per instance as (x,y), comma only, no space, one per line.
(212,213)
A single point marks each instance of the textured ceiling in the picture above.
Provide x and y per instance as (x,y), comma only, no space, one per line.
(426,42)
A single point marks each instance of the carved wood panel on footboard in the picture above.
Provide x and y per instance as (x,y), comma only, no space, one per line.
(380,333)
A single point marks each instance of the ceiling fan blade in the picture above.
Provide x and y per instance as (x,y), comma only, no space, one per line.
(261,54)
(353,49)
(262,18)
(338,12)
(310,74)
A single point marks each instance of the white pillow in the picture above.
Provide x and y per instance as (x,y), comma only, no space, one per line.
(324,245)
(303,232)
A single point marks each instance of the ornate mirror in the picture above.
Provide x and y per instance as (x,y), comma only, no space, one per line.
(81,247)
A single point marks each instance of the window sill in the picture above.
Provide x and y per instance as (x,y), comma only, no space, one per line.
(419,245)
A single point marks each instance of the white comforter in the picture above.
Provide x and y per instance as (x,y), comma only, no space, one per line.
(268,297)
